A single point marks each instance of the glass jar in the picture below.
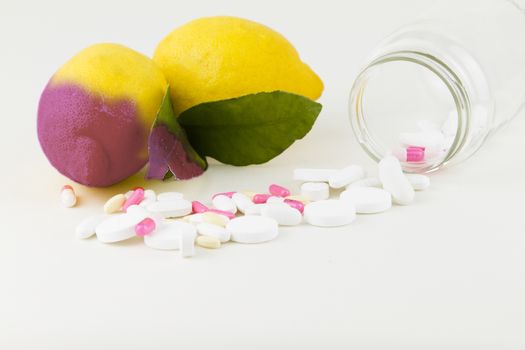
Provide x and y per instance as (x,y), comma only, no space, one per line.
(434,90)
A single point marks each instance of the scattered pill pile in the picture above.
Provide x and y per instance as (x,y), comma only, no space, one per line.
(168,221)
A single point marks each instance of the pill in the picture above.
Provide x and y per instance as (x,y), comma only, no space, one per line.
(278,191)
(367,182)
(242,201)
(284,214)
(86,228)
(394,181)
(198,207)
(418,181)
(208,242)
(345,176)
(368,200)
(128,194)
(315,191)
(299,198)
(430,139)
(114,204)
(427,125)
(219,232)
(275,199)
(253,229)
(228,214)
(415,154)
(214,218)
(313,175)
(68,198)
(145,227)
(224,203)
(145,202)
(171,208)
(150,195)
(254,209)
(136,197)
(169,196)
(168,235)
(118,227)
(329,213)
(194,219)
(295,204)
(260,198)
(227,194)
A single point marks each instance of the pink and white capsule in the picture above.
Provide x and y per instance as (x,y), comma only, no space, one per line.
(136,197)
(68,198)
(198,207)
(295,204)
(261,198)
(145,227)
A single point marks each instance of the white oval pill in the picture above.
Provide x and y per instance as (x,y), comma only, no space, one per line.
(418,181)
(219,232)
(313,175)
(367,182)
(168,235)
(282,213)
(224,203)
(329,213)
(68,198)
(169,196)
(170,208)
(253,229)
(345,176)
(208,242)
(118,227)
(150,195)
(315,191)
(86,228)
(368,200)
(242,201)
(394,181)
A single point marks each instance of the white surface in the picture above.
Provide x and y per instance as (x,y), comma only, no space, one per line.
(447,272)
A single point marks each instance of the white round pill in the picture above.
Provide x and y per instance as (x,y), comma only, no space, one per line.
(224,203)
(118,227)
(169,196)
(315,191)
(368,200)
(394,181)
(345,176)
(252,229)
(206,229)
(282,213)
(168,235)
(418,181)
(170,208)
(242,201)
(86,228)
(329,213)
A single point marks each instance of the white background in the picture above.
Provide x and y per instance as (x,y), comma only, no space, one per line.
(447,272)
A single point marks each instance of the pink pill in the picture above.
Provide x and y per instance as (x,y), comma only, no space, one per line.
(295,204)
(198,207)
(145,227)
(222,212)
(260,198)
(279,191)
(227,194)
(136,197)
(415,154)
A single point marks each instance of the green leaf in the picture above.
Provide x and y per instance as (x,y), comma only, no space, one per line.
(170,153)
(250,129)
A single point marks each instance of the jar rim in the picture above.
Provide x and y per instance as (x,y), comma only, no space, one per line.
(440,69)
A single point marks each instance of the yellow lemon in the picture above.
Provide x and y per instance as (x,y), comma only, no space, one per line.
(217,58)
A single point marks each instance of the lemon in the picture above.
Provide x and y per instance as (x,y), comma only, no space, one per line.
(217,58)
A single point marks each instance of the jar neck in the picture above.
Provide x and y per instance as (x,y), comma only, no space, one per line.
(455,86)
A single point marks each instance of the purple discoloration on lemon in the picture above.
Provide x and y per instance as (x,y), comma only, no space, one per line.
(92,140)
(167,153)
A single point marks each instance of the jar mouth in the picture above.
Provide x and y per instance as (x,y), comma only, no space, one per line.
(439,69)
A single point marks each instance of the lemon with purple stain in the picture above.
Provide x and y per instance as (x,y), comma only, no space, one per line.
(96,112)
